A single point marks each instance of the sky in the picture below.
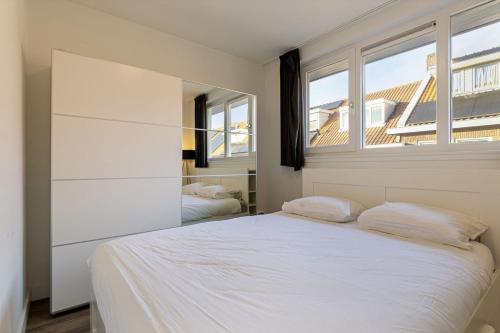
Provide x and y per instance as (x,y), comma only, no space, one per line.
(402,68)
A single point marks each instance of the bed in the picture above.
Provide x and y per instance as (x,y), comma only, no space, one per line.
(285,273)
(195,208)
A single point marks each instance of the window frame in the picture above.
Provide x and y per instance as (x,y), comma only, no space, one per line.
(428,28)
(251,118)
(356,151)
(327,66)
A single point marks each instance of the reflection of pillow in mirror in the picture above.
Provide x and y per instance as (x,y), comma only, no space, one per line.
(214,192)
(191,189)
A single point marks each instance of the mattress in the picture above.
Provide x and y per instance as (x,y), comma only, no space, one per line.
(283,273)
(196,208)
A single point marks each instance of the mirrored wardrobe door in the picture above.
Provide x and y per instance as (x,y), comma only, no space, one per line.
(219,172)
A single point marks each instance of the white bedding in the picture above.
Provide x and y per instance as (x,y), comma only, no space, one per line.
(196,208)
(280,273)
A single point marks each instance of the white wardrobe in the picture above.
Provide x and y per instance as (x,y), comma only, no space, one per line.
(116,162)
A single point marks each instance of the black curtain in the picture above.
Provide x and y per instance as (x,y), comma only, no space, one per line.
(292,117)
(200,137)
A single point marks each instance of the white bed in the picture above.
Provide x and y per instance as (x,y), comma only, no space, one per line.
(283,273)
(195,208)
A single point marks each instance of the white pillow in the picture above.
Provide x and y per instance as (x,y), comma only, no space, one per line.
(423,222)
(191,188)
(214,192)
(324,208)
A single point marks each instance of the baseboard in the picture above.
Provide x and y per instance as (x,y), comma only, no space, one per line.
(23,321)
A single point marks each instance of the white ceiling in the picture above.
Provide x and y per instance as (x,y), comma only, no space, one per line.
(258,30)
(191,89)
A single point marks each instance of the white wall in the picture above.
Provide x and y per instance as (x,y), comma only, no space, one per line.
(74,28)
(283,184)
(279,183)
(12,263)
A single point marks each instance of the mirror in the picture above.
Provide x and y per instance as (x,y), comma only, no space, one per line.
(219,154)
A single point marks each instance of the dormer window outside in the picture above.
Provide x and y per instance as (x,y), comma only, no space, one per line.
(375,116)
(344,118)
(378,111)
(486,77)
(476,79)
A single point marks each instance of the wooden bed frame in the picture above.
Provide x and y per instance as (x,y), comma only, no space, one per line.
(474,192)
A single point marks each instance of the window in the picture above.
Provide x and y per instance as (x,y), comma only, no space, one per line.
(374,115)
(475,57)
(426,142)
(344,118)
(385,91)
(486,139)
(240,123)
(216,135)
(399,89)
(230,127)
(328,105)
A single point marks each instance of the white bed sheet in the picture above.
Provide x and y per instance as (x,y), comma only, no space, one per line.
(281,273)
(196,208)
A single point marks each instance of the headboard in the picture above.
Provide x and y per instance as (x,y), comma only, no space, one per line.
(474,192)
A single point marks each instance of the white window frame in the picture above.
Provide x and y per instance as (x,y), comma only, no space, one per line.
(227,126)
(324,67)
(356,151)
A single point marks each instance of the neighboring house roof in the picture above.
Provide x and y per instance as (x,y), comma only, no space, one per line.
(477,54)
(465,107)
(329,134)
(329,106)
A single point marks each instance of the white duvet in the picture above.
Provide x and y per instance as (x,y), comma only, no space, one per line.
(196,208)
(280,273)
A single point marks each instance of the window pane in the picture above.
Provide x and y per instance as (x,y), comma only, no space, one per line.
(475,53)
(239,127)
(216,135)
(400,92)
(376,115)
(328,109)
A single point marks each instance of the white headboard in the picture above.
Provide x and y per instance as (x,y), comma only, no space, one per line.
(474,192)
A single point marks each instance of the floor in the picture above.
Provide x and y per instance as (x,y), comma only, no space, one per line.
(41,321)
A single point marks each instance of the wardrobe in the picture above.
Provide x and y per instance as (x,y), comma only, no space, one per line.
(115,162)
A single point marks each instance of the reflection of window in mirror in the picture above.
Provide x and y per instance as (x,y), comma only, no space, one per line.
(216,125)
(239,118)
(231,127)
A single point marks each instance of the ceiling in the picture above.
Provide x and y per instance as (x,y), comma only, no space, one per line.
(191,89)
(258,30)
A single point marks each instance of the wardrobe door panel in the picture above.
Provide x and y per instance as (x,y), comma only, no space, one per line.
(103,89)
(70,283)
(91,209)
(85,148)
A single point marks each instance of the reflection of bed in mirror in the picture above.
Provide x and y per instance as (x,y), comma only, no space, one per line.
(234,181)
(196,208)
